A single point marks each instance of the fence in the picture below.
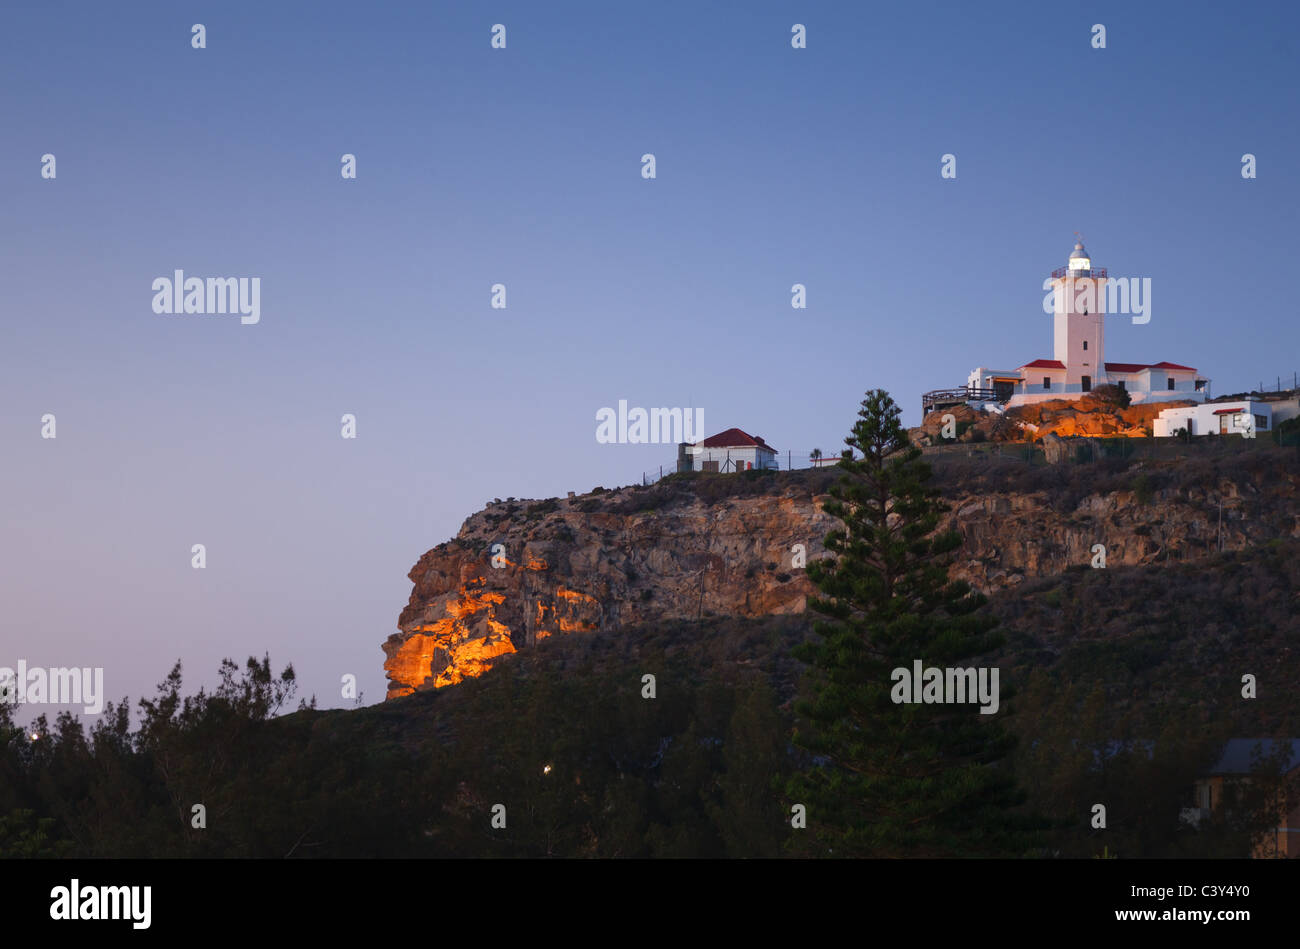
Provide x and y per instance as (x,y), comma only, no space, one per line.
(789,460)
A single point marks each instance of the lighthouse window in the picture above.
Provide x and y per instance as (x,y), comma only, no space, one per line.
(1085,345)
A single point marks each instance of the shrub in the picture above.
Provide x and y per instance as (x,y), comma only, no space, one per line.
(1113,395)
(1142,489)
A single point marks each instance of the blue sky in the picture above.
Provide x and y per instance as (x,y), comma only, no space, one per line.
(521,166)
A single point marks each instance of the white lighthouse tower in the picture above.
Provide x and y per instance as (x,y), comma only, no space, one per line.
(1079,292)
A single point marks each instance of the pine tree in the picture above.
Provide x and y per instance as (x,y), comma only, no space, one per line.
(893,779)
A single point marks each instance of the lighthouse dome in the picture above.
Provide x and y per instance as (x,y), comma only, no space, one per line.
(1079,259)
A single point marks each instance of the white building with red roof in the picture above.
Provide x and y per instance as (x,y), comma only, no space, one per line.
(1079,354)
(732,450)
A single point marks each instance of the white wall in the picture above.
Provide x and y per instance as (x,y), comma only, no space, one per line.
(1284,410)
(1164,395)
(1206,422)
(745,456)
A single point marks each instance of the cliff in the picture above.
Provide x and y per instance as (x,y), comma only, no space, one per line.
(710,545)
(598,562)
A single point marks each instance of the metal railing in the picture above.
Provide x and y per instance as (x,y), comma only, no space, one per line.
(1083,274)
(937,398)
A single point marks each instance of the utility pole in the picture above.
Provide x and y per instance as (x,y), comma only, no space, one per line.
(1220,523)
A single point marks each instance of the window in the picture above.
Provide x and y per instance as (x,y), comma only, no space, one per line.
(1200,385)
(1171,383)
(1047,382)
(1086,383)
(1121,384)
(1261,423)
(1085,345)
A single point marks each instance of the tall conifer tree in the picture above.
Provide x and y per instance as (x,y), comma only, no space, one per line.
(892,779)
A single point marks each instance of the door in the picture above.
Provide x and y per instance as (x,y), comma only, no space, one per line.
(1087,383)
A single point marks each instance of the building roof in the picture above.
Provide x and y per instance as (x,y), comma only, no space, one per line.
(1044,364)
(1239,409)
(1139,366)
(735,438)
(1237,754)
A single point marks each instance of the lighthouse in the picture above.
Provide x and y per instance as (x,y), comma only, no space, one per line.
(1078,304)
(1079,293)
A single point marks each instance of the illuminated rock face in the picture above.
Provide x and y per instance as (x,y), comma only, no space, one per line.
(462,643)
(573,571)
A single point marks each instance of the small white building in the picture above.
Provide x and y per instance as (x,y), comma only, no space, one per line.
(1245,417)
(732,450)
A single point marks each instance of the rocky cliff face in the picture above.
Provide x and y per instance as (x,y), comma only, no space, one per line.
(593,563)
(1010,537)
(634,555)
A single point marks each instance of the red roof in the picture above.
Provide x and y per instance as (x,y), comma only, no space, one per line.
(1139,366)
(1044,364)
(735,438)
(1229,411)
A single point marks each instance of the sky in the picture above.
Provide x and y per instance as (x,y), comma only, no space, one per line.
(522,166)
